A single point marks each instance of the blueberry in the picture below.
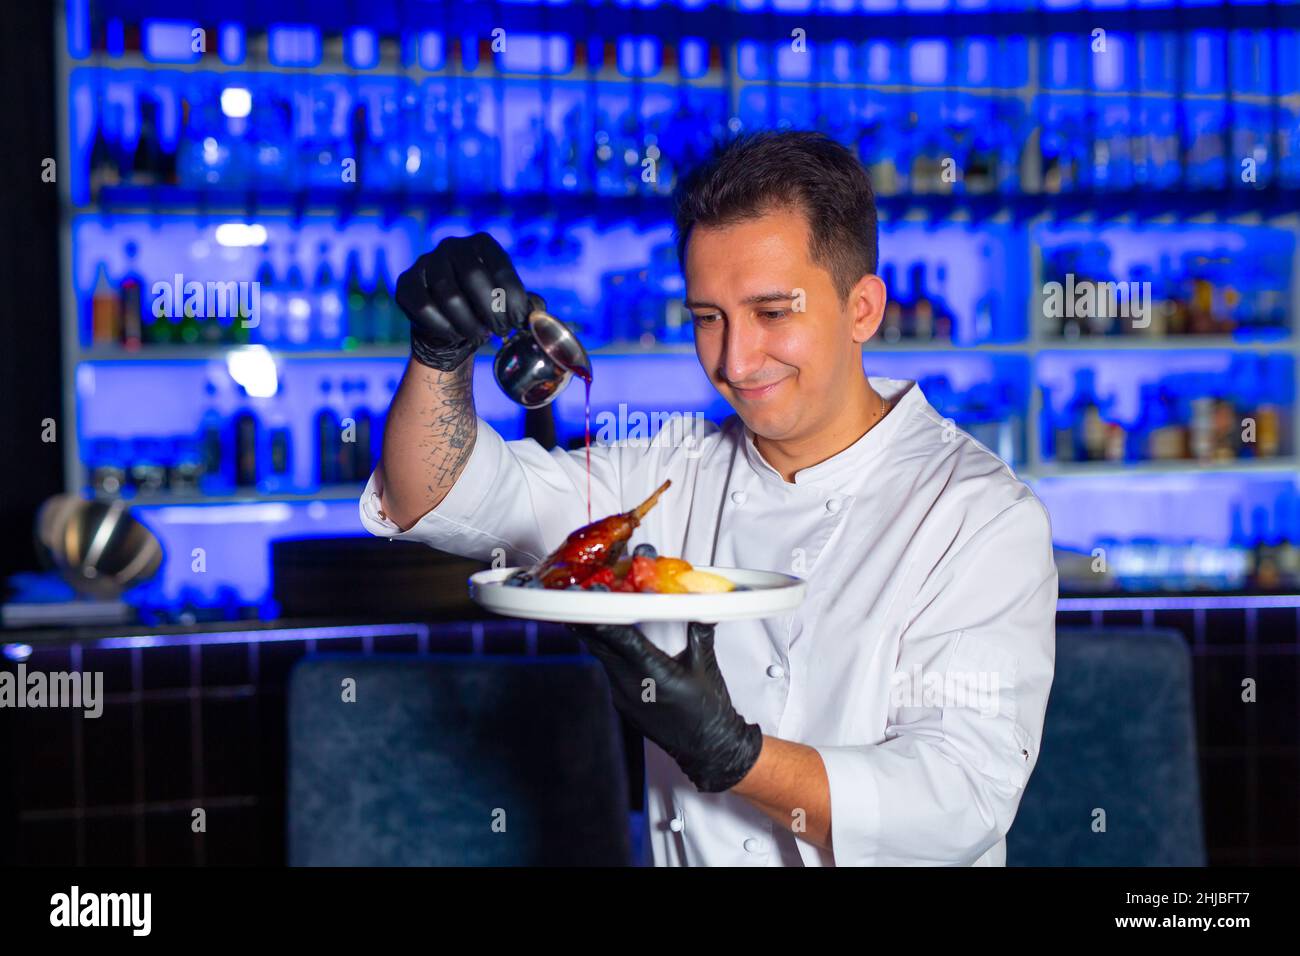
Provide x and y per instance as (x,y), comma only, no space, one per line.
(645,551)
(742,587)
(599,587)
(533,583)
(574,587)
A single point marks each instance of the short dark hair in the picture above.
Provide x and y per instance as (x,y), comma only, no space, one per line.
(757,172)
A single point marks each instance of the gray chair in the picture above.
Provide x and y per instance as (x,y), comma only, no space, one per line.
(455,761)
(1120,736)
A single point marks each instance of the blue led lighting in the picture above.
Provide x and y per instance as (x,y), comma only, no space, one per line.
(693,58)
(639,56)
(115,39)
(232,44)
(1197,506)
(430,53)
(78,27)
(365,632)
(1208,603)
(537,53)
(294,45)
(171,41)
(18,652)
(361,49)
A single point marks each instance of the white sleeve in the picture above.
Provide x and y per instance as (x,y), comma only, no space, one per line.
(512,495)
(966,709)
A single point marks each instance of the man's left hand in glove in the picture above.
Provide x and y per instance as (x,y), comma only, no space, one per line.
(686,710)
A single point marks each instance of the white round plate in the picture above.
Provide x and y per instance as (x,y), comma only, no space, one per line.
(772,594)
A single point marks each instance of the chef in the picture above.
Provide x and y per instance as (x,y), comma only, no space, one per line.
(894,718)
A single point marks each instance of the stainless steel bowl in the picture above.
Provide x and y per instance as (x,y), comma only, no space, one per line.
(98,547)
(535,364)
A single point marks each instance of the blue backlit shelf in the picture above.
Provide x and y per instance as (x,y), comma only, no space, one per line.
(204,353)
(876,73)
(1266,201)
(250,496)
(670,21)
(1167,344)
(1139,469)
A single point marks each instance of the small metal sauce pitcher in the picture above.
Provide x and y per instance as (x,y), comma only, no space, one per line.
(535,364)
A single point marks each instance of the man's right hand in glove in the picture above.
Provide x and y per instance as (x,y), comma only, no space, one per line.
(457,295)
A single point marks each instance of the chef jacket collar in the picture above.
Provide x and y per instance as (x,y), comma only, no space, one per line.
(843,466)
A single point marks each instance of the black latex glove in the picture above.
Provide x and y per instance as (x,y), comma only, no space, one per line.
(447,296)
(691,716)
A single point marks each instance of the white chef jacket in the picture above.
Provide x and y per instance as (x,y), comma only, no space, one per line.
(918,666)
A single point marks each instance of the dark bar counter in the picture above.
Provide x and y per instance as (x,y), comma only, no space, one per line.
(195,716)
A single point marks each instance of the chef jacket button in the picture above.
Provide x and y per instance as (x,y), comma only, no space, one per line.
(775,670)
(833,505)
(675,824)
(738,497)
(753,845)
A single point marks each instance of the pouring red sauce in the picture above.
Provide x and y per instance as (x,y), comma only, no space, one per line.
(586,380)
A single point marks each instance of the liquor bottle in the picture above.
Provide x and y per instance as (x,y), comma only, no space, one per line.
(363,445)
(922,309)
(279,475)
(1176,317)
(189,330)
(240,329)
(245,449)
(1202,428)
(211,441)
(298,311)
(891,326)
(1115,443)
(356,308)
(1140,278)
(387,324)
(347,433)
(105,310)
(1200,314)
(1139,436)
(1265,546)
(166,157)
(609,167)
(270,133)
(329,303)
(328,439)
(105,167)
(270,326)
(131,290)
(1268,423)
(359,140)
(1241,543)
(1227,434)
(1288,555)
(147,163)
(214,326)
(281,459)
(1056,441)
(1084,414)
(944,319)
(476,162)
(319,150)
(1169,433)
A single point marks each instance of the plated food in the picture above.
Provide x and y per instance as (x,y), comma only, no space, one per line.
(591,579)
(594,558)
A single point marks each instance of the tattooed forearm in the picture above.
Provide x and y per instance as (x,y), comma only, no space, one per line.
(428,438)
(452,429)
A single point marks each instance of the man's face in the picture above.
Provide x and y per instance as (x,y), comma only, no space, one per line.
(785,372)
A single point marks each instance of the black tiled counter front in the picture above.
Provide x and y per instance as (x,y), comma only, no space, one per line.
(195,717)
